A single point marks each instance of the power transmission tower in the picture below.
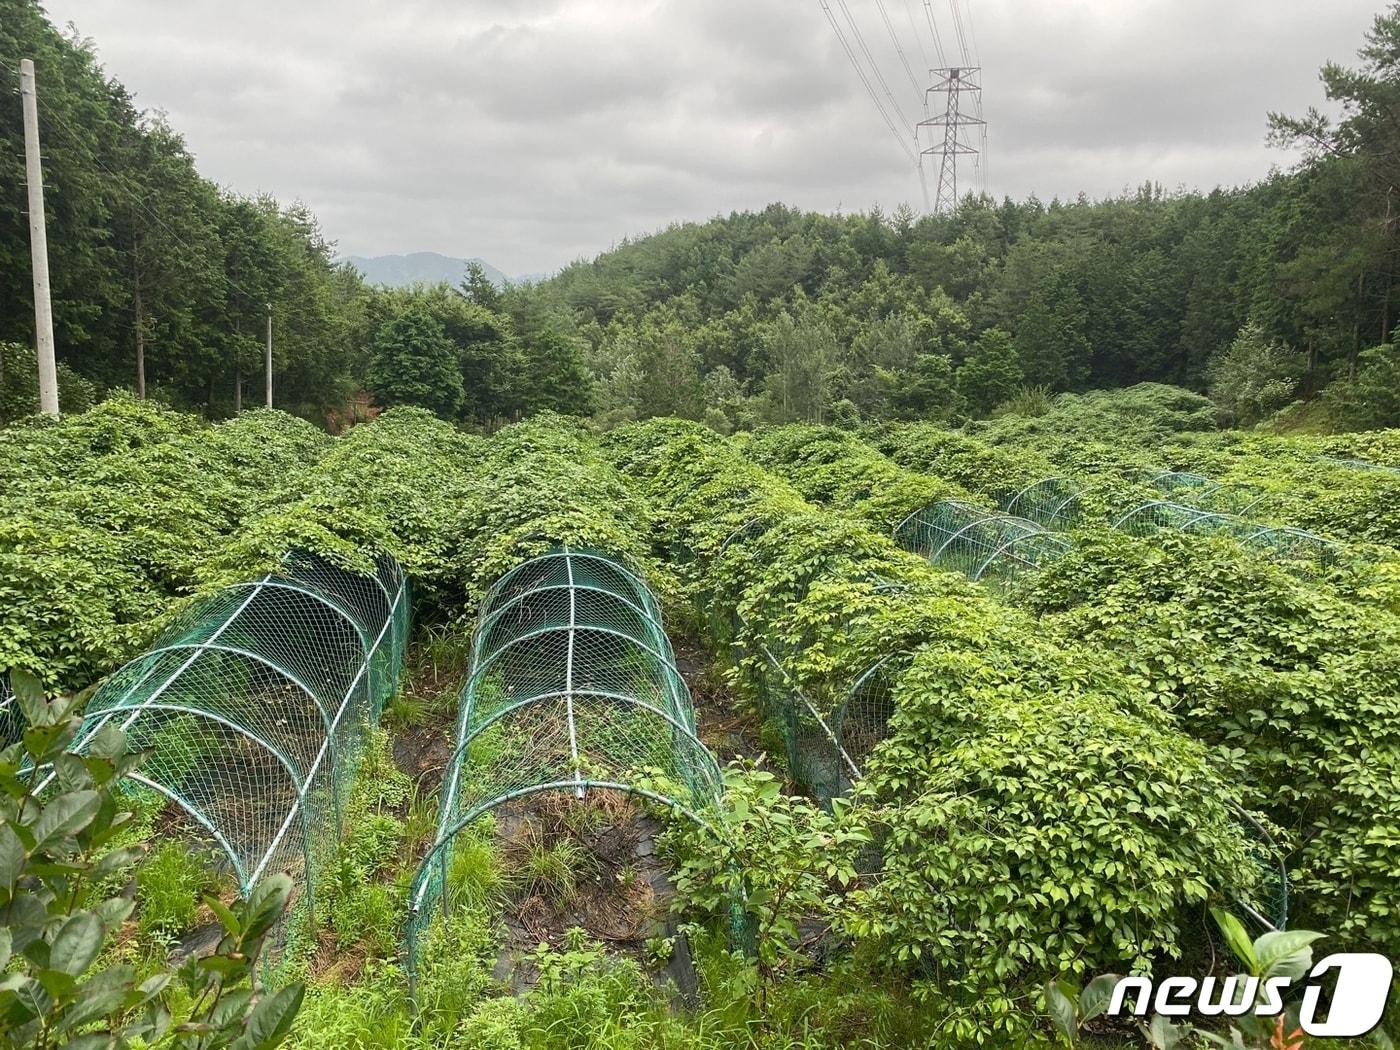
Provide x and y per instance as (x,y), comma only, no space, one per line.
(956,82)
(38,243)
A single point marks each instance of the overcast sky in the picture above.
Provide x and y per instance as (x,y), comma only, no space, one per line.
(534,132)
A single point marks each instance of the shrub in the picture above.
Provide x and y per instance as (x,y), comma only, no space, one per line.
(19,385)
(1253,376)
(56,842)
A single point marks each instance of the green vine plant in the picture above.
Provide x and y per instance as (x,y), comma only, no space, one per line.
(1277,953)
(58,856)
(783,856)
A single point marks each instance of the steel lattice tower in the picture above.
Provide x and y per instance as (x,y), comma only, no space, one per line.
(955,82)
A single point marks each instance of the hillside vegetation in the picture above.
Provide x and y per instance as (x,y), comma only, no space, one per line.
(1274,297)
(1071,770)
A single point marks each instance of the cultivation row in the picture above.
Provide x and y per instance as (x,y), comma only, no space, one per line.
(1294,682)
(998,739)
(1152,429)
(1050,777)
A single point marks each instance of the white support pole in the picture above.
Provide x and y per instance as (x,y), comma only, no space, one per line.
(267,357)
(38,243)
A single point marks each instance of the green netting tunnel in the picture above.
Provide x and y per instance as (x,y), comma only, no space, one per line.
(11,723)
(1360,464)
(1053,503)
(254,703)
(1197,490)
(977,542)
(1282,542)
(812,733)
(573,686)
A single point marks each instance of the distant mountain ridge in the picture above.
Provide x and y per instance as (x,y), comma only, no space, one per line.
(400,271)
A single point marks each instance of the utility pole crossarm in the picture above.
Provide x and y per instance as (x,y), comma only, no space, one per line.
(38,243)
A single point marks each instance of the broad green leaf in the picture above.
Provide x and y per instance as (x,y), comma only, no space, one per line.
(77,944)
(1237,937)
(1285,953)
(1060,999)
(65,815)
(1096,996)
(1163,1034)
(29,692)
(265,905)
(271,1019)
(230,1007)
(224,914)
(11,859)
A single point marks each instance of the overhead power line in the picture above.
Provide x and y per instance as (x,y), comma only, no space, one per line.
(958,31)
(914,28)
(875,66)
(865,80)
(898,47)
(933,31)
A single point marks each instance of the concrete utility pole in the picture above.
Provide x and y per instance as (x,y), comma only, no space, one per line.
(38,244)
(267,356)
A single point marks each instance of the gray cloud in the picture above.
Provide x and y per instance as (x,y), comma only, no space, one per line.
(532,132)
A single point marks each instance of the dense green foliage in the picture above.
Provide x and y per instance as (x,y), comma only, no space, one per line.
(65,895)
(1290,679)
(1057,786)
(1108,438)
(110,518)
(978,687)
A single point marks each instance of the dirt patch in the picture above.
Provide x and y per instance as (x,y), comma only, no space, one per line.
(587,863)
(423,721)
(331,961)
(720,721)
(423,753)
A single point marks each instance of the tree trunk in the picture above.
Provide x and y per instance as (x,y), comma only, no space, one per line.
(138,311)
(1385,309)
(1356,328)
(140,344)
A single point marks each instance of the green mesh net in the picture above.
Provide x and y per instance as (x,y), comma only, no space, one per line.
(1052,503)
(11,722)
(573,687)
(980,543)
(816,753)
(1292,546)
(1273,896)
(1360,464)
(253,706)
(1197,490)
(864,719)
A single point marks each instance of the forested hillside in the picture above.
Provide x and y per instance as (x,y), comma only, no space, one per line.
(1263,295)
(162,280)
